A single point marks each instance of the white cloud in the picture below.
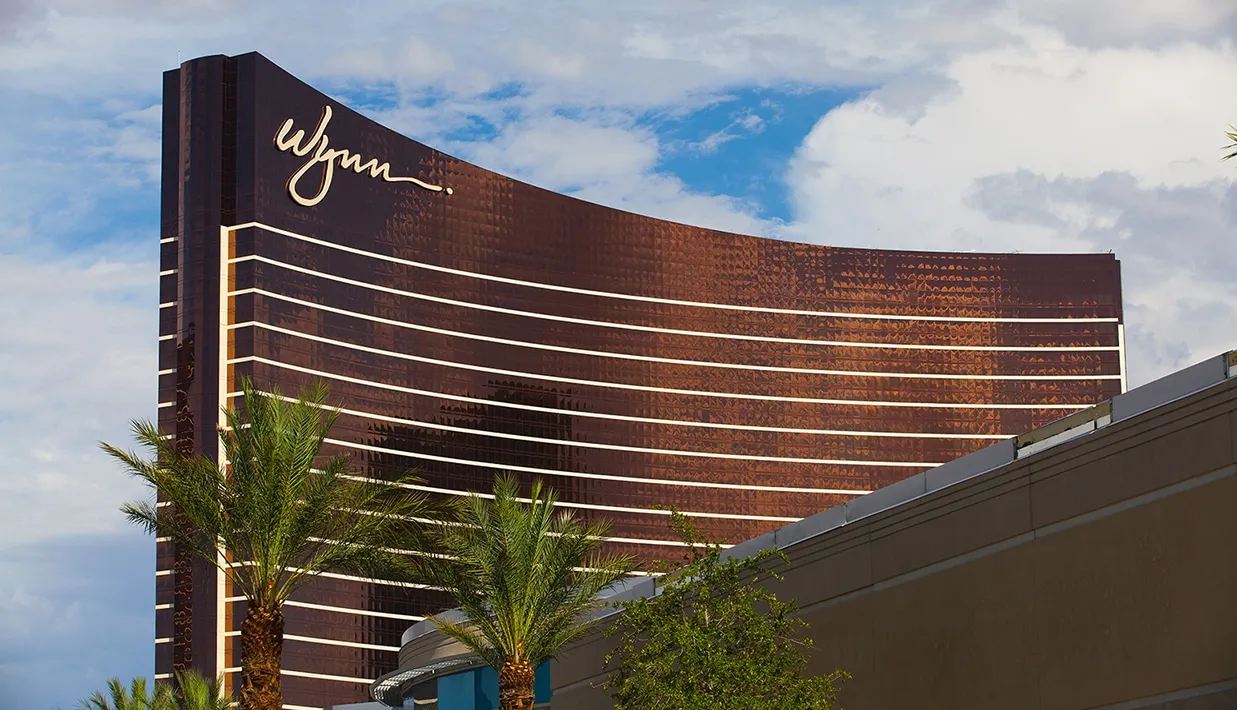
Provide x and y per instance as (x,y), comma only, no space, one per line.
(420,61)
(1104,22)
(620,170)
(552,150)
(746,122)
(1049,146)
(77,363)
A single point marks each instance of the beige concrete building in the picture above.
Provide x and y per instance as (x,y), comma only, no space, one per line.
(1091,564)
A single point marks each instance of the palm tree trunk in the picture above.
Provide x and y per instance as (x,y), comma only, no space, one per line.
(515,684)
(261,649)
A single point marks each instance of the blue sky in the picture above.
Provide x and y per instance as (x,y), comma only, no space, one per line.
(1037,125)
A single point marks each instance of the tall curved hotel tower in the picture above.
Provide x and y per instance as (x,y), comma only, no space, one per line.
(468,323)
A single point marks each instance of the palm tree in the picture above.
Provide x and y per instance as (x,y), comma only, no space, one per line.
(523,576)
(192,692)
(1232,136)
(274,516)
(195,692)
(136,697)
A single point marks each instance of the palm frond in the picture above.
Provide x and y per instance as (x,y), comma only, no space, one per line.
(198,693)
(134,697)
(523,573)
(278,512)
(474,637)
(1232,136)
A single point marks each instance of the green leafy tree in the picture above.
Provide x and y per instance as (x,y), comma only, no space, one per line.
(715,638)
(524,576)
(276,515)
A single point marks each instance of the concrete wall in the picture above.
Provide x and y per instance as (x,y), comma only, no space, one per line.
(1100,573)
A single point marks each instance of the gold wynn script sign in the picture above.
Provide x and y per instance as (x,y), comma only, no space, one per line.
(319,152)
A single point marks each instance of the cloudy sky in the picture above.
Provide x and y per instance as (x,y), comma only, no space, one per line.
(1041,125)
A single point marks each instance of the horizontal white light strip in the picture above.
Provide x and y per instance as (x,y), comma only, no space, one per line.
(162,676)
(654,299)
(362,612)
(323,676)
(660,543)
(166,538)
(333,642)
(166,337)
(616,417)
(698,363)
(165,639)
(162,572)
(339,609)
(643,388)
(428,521)
(163,503)
(168,371)
(607,477)
(299,707)
(161,607)
(422,553)
(161,405)
(560,504)
(646,328)
(328,642)
(165,240)
(307,674)
(167,272)
(620,447)
(351,578)
(168,304)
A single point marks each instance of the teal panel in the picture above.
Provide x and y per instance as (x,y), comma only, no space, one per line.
(487,688)
(477,689)
(458,691)
(541,684)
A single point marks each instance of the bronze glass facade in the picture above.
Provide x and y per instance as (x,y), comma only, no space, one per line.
(469,323)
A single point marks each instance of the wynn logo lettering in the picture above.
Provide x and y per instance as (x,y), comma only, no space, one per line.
(319,152)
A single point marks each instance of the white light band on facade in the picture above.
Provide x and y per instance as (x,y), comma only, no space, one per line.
(361,612)
(667,331)
(560,503)
(307,674)
(619,447)
(608,477)
(615,417)
(696,363)
(655,299)
(333,642)
(643,388)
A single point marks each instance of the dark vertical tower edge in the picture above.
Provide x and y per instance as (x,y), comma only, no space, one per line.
(173,580)
(627,361)
(199,176)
